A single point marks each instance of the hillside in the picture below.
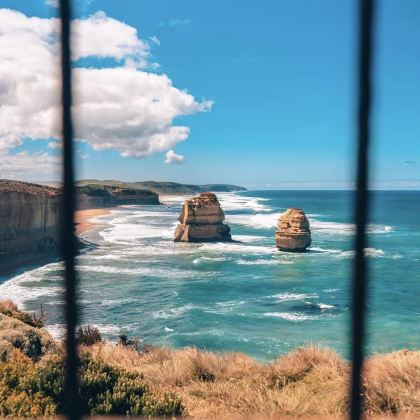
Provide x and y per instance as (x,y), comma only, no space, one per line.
(164,188)
(308,382)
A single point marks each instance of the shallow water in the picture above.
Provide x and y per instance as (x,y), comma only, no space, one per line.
(242,296)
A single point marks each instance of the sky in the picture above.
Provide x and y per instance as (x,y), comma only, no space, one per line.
(260,94)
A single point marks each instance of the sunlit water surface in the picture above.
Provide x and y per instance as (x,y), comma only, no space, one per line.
(246,295)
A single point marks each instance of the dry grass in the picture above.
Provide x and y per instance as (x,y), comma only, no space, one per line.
(309,381)
(392,383)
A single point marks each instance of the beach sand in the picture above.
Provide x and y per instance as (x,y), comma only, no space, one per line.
(83,217)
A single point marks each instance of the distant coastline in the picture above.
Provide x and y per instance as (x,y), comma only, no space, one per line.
(30,213)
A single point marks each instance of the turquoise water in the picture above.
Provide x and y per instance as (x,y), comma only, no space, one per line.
(243,296)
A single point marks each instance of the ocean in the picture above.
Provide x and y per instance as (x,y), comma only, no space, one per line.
(242,296)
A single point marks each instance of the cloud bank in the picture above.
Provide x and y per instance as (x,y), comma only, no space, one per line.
(126,107)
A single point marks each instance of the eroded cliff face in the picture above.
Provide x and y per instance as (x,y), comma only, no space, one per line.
(202,220)
(293,233)
(98,196)
(30,213)
(29,217)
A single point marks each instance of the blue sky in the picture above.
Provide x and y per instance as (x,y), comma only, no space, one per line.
(282,78)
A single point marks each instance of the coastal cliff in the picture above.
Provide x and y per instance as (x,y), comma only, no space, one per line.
(29,216)
(103,196)
(202,220)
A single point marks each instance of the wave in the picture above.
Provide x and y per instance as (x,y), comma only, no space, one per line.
(320,306)
(231,303)
(127,233)
(290,316)
(263,262)
(144,271)
(174,312)
(369,252)
(248,238)
(233,201)
(202,260)
(256,221)
(17,290)
(115,302)
(337,228)
(325,250)
(289,297)
(232,247)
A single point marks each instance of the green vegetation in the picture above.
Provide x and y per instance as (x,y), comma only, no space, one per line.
(23,331)
(8,308)
(88,335)
(118,379)
(163,188)
(29,389)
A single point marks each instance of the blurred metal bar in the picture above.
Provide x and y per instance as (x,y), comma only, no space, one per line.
(366,30)
(68,239)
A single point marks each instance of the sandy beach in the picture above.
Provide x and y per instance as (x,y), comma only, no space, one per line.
(83,217)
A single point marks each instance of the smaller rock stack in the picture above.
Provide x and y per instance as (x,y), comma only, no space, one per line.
(202,221)
(293,232)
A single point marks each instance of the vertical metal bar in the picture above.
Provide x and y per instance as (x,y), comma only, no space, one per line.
(68,239)
(366,30)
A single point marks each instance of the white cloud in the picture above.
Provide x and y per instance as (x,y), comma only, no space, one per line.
(30,165)
(172,157)
(125,108)
(176,22)
(53,3)
(155,40)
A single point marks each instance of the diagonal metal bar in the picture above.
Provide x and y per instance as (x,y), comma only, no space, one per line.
(360,280)
(68,239)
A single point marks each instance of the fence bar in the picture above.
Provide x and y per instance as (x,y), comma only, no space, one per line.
(366,30)
(68,239)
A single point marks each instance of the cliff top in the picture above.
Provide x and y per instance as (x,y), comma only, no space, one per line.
(7,185)
(204,199)
(164,188)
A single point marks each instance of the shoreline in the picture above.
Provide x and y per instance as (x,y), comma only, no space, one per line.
(83,219)
(16,264)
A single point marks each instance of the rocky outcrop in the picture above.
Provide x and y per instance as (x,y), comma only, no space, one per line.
(29,217)
(103,196)
(293,234)
(202,221)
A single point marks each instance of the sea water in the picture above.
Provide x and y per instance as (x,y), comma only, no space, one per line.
(246,295)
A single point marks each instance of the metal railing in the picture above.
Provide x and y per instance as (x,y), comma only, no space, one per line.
(360,278)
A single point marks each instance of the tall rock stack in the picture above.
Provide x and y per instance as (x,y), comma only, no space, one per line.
(202,221)
(293,234)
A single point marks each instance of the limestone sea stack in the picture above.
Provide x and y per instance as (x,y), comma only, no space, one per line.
(202,221)
(293,234)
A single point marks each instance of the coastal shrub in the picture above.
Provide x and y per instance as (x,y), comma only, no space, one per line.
(29,389)
(8,308)
(15,334)
(124,341)
(88,335)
